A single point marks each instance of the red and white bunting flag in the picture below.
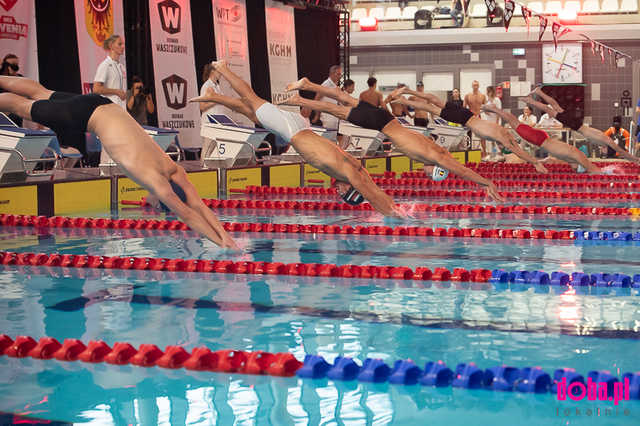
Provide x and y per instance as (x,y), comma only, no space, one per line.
(543,26)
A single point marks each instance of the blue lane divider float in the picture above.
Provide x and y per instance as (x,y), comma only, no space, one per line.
(606,235)
(501,378)
(576,279)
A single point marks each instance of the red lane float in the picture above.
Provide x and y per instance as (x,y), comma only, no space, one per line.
(149,355)
(138,263)
(246,267)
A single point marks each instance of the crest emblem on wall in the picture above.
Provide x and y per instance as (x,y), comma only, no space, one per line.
(98,18)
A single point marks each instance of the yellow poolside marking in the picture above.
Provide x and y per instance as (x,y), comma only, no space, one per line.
(312,173)
(460,156)
(400,164)
(285,175)
(206,183)
(128,190)
(376,165)
(241,178)
(474,156)
(90,195)
(19,200)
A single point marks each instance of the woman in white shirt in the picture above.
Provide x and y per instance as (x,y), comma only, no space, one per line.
(210,86)
(111,77)
(492,99)
(527,117)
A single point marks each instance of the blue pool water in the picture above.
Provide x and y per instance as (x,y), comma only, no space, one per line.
(490,325)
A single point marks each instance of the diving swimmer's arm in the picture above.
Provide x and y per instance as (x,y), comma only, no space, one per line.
(441,156)
(510,143)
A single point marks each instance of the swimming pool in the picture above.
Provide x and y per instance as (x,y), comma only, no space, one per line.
(490,324)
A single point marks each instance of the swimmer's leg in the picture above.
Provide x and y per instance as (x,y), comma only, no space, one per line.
(25,87)
(234,104)
(598,137)
(342,112)
(16,104)
(569,153)
(241,87)
(330,92)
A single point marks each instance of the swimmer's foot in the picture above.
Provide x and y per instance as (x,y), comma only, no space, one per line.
(527,99)
(294,100)
(217,65)
(297,85)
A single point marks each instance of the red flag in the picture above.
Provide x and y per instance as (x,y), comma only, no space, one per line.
(601,52)
(465,4)
(555,27)
(565,30)
(509,8)
(491,5)
(543,26)
(526,15)
(610,55)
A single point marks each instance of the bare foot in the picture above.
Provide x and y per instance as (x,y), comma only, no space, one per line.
(297,85)
(219,64)
(292,100)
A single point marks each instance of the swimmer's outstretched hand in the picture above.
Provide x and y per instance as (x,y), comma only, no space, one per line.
(229,243)
(297,85)
(540,167)
(492,192)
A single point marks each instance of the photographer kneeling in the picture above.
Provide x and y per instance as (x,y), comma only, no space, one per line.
(139,101)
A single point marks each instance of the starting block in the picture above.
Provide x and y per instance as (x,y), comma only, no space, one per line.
(448,135)
(367,141)
(21,149)
(292,155)
(236,145)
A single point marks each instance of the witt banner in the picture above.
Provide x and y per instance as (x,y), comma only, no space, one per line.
(232,44)
(96,20)
(174,69)
(18,34)
(281,45)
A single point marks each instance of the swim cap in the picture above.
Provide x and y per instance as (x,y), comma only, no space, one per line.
(352,197)
(179,192)
(439,174)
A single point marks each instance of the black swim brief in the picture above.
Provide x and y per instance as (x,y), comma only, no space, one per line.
(421,122)
(456,114)
(66,113)
(570,119)
(370,117)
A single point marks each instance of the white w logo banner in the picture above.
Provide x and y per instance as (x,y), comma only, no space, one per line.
(174,69)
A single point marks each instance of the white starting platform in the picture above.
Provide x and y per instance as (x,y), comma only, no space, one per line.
(21,149)
(451,136)
(236,145)
(365,141)
(163,137)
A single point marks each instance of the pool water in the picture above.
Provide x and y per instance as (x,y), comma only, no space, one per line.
(489,324)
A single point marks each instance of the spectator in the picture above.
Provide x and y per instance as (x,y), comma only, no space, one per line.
(456,13)
(420,117)
(455,98)
(349,86)
(638,122)
(211,85)
(139,101)
(492,99)
(372,95)
(335,73)
(527,117)
(549,122)
(619,135)
(10,66)
(110,79)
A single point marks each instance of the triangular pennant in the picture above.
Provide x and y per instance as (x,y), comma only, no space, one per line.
(555,27)
(509,8)
(618,57)
(491,5)
(601,52)
(610,56)
(543,26)
(565,31)
(526,15)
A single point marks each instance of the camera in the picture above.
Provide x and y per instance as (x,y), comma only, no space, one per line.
(146,90)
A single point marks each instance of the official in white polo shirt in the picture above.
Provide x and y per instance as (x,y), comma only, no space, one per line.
(111,77)
(328,120)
